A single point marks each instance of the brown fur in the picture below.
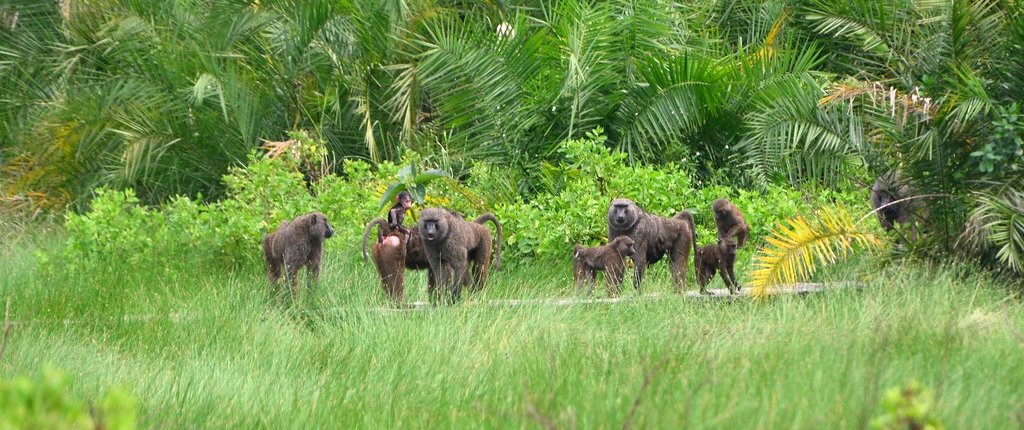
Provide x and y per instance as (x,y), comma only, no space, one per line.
(414,256)
(730,222)
(297,243)
(720,257)
(654,237)
(451,243)
(610,257)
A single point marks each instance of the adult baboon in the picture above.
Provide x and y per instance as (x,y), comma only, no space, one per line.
(730,222)
(888,188)
(653,237)
(610,258)
(451,243)
(414,256)
(297,243)
(720,257)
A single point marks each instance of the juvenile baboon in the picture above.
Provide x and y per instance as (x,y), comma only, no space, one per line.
(396,215)
(720,257)
(610,257)
(730,222)
(653,237)
(451,243)
(888,188)
(297,243)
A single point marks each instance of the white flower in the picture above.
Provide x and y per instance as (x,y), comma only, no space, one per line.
(505,31)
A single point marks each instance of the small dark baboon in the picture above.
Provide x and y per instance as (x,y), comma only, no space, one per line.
(611,258)
(730,222)
(450,243)
(720,257)
(654,237)
(396,215)
(889,188)
(297,243)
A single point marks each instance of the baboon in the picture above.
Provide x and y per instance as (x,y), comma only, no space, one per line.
(720,257)
(297,243)
(609,257)
(413,256)
(451,243)
(730,222)
(653,237)
(888,188)
(396,215)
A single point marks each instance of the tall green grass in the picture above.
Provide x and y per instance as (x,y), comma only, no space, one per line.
(205,348)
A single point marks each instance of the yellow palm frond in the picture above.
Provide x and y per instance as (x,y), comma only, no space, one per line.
(794,249)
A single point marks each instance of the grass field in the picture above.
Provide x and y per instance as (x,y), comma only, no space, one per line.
(207,349)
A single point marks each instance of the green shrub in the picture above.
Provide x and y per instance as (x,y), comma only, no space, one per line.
(44,403)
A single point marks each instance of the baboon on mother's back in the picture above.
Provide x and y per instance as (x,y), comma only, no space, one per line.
(653,238)
(297,243)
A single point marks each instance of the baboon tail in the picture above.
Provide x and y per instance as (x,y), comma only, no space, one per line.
(497,225)
(688,217)
(366,234)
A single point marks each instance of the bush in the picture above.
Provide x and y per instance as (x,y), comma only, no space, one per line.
(44,403)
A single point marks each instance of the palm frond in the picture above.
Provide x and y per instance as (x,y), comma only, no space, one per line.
(997,223)
(794,249)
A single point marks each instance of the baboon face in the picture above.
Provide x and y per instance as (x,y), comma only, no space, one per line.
(624,246)
(622,213)
(728,246)
(722,208)
(434,227)
(405,200)
(319,227)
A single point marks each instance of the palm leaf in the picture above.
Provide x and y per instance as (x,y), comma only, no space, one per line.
(795,248)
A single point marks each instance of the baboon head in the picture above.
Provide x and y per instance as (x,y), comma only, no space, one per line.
(727,246)
(624,246)
(434,225)
(622,214)
(723,208)
(404,199)
(319,228)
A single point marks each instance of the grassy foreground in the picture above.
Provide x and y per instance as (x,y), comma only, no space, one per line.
(228,357)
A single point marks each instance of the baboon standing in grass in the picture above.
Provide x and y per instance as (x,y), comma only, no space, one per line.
(297,243)
(611,258)
(654,237)
(721,257)
(730,222)
(451,243)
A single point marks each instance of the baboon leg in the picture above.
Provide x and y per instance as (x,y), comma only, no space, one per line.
(639,266)
(459,269)
(481,266)
(612,277)
(732,278)
(578,275)
(313,271)
(437,275)
(679,265)
(704,276)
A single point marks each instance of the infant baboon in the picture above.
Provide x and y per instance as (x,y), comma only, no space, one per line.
(730,222)
(719,257)
(396,215)
(297,243)
(611,258)
(889,188)
(451,243)
(653,237)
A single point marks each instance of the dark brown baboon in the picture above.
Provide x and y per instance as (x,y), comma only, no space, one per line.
(654,237)
(396,215)
(297,243)
(610,257)
(451,243)
(889,188)
(720,257)
(730,222)
(414,256)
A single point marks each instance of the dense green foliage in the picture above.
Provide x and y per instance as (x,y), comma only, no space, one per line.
(166,97)
(43,403)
